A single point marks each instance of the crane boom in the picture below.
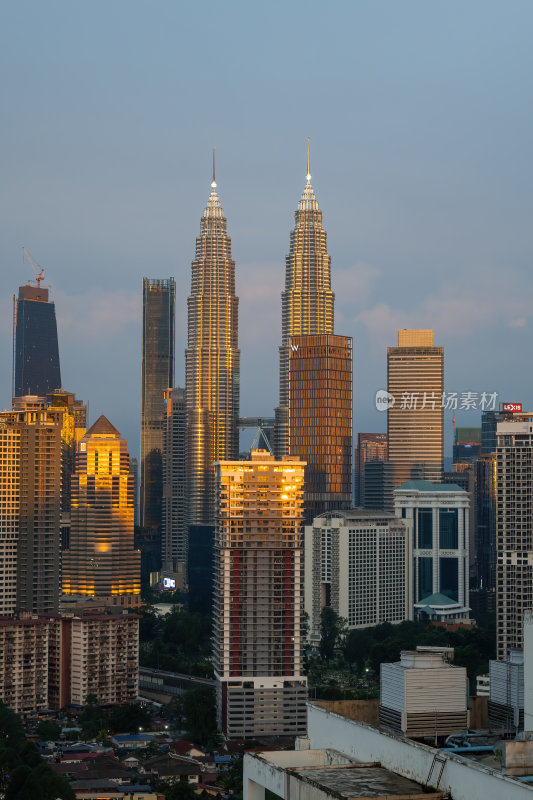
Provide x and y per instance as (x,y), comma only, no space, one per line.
(38,275)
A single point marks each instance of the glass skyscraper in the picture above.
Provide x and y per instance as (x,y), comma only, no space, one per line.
(307,300)
(212,363)
(157,376)
(36,351)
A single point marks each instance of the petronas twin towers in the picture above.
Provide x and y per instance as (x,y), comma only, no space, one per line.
(213,356)
(212,361)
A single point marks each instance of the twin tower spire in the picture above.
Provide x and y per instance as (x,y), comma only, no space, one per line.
(213,356)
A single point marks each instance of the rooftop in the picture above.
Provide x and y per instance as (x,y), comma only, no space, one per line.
(363,781)
(330,773)
(427,486)
(359,514)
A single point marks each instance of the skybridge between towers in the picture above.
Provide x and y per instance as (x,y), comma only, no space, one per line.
(264,428)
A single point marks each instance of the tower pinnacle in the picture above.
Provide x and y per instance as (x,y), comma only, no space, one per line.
(308,176)
(213,183)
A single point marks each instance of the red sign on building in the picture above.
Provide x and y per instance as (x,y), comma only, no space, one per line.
(515,407)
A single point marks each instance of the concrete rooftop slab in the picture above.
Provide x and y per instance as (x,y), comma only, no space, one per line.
(365,782)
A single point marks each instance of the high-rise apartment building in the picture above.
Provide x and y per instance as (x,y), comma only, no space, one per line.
(36,351)
(103,656)
(30,494)
(212,363)
(439,514)
(514,530)
(53,661)
(257,649)
(370,447)
(174,540)
(359,563)
(320,418)
(157,375)
(307,300)
(415,421)
(101,560)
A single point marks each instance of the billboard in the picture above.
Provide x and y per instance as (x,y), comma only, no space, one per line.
(514,407)
(169,583)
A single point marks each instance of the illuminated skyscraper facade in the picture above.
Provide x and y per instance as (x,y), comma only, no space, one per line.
(101,560)
(415,423)
(257,605)
(36,351)
(320,419)
(212,363)
(30,492)
(157,376)
(307,299)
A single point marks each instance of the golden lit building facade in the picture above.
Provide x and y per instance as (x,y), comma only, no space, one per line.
(101,560)
(307,300)
(415,421)
(320,419)
(212,362)
(257,606)
(30,495)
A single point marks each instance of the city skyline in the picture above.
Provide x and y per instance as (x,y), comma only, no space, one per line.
(425,186)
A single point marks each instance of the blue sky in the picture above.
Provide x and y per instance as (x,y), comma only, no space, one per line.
(420,118)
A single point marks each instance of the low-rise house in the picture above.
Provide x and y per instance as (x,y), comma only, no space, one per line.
(171,768)
(184,748)
(107,790)
(131,741)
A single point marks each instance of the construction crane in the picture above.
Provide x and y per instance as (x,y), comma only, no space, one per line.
(38,275)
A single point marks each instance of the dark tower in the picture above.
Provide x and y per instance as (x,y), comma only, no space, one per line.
(157,376)
(36,351)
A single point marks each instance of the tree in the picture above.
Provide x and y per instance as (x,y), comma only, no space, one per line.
(182,790)
(332,628)
(200,710)
(47,730)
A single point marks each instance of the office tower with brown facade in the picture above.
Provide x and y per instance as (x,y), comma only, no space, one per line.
(101,560)
(30,496)
(157,376)
(307,300)
(415,420)
(212,361)
(320,419)
(257,648)
(514,531)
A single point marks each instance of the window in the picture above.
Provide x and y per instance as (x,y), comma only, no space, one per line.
(425,528)
(448,529)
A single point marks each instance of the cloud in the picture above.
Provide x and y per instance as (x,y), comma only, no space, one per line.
(98,314)
(519,322)
(454,310)
(354,286)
